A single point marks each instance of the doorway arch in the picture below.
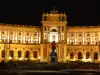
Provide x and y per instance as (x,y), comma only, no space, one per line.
(53,35)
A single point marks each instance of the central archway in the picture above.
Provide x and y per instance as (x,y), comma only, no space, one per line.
(54,35)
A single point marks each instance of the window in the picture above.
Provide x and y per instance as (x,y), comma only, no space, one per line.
(27,33)
(19,33)
(62,29)
(80,35)
(45,18)
(35,54)
(96,43)
(3,53)
(3,33)
(35,34)
(44,28)
(95,55)
(88,43)
(72,43)
(80,43)
(19,54)
(11,33)
(95,34)
(71,55)
(79,55)
(12,53)
(87,55)
(53,30)
(45,35)
(18,41)
(27,54)
(88,34)
(72,35)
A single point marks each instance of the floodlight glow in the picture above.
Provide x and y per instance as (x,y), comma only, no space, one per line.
(20,59)
(39,57)
(89,59)
(10,58)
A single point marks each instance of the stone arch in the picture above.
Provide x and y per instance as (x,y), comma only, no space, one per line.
(35,54)
(11,53)
(27,54)
(79,55)
(19,54)
(87,55)
(3,53)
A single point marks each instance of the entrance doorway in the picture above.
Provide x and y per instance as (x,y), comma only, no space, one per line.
(54,37)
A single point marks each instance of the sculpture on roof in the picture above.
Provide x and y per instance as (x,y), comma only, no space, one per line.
(54,11)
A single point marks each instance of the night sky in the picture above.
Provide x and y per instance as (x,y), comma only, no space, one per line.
(29,12)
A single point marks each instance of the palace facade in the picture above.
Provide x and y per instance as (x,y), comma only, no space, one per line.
(23,42)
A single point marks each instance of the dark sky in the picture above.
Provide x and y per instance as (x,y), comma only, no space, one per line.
(79,12)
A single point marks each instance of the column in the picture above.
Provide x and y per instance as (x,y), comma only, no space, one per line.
(92,55)
(60,34)
(15,55)
(83,37)
(14,36)
(0,56)
(23,35)
(16,32)
(65,34)
(0,35)
(65,52)
(91,37)
(41,53)
(31,54)
(7,50)
(8,36)
(99,51)
(59,52)
(42,35)
(23,54)
(47,34)
(75,38)
(38,35)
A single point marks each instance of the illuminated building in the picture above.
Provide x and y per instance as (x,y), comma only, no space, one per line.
(23,42)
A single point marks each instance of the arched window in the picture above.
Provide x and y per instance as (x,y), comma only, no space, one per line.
(53,30)
(71,55)
(12,53)
(95,55)
(19,54)
(3,53)
(79,55)
(45,18)
(35,54)
(87,55)
(27,54)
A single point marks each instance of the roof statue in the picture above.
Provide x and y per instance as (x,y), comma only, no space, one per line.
(54,11)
